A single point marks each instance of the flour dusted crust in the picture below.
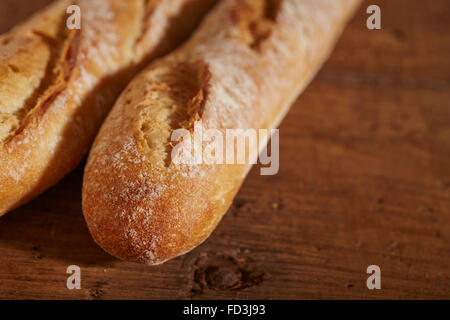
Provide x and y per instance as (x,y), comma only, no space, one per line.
(57,85)
(242,69)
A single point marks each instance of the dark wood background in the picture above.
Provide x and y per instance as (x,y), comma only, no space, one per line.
(364,179)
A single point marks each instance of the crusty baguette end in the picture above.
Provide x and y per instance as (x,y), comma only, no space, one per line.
(242,69)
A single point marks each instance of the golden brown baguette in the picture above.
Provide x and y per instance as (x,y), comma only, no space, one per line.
(57,85)
(242,69)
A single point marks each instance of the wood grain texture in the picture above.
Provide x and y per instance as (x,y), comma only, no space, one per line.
(364,179)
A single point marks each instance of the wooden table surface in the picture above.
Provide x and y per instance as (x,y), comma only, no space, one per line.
(364,180)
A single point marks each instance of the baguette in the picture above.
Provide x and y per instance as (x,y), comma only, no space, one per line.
(57,85)
(242,69)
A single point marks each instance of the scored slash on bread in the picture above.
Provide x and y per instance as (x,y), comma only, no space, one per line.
(242,69)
